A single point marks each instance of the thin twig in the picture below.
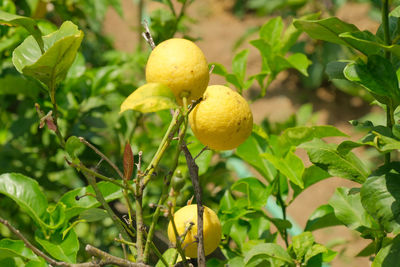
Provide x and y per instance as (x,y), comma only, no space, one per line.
(178,244)
(147,35)
(194,175)
(100,198)
(27,243)
(201,151)
(112,259)
(106,259)
(98,152)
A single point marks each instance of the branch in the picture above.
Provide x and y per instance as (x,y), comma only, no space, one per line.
(194,175)
(147,35)
(106,259)
(98,152)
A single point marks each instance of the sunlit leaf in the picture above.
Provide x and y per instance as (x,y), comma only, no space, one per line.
(150,97)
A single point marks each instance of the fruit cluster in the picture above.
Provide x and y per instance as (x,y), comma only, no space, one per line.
(222,120)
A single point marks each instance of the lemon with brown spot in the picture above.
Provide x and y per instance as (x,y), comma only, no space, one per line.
(211,229)
(222,120)
(181,65)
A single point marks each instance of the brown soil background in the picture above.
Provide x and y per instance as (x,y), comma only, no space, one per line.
(219,30)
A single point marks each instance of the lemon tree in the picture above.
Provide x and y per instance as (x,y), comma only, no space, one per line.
(211,229)
(222,120)
(181,65)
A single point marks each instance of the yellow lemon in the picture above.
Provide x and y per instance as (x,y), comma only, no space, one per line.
(222,120)
(211,229)
(180,65)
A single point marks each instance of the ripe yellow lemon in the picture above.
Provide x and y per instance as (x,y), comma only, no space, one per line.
(211,229)
(222,120)
(180,65)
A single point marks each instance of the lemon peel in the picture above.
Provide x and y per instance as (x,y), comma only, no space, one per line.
(211,229)
(222,120)
(181,65)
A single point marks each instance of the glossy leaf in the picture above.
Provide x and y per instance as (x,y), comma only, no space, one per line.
(250,152)
(28,23)
(291,166)
(50,68)
(327,158)
(377,76)
(150,97)
(268,251)
(379,196)
(301,134)
(61,249)
(363,41)
(15,248)
(74,207)
(26,193)
(323,216)
(325,29)
(349,210)
(256,192)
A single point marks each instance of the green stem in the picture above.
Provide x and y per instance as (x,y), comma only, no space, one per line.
(98,175)
(173,127)
(386,31)
(171,7)
(55,115)
(178,244)
(167,181)
(100,198)
(283,207)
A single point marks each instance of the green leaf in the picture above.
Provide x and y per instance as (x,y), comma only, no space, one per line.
(27,194)
(169,256)
(334,69)
(203,161)
(18,84)
(74,207)
(28,23)
(15,248)
(325,29)
(379,196)
(349,210)
(291,166)
(311,175)
(323,216)
(363,41)
(239,64)
(377,76)
(301,134)
(250,152)
(314,251)
(93,215)
(150,97)
(269,251)
(256,192)
(74,147)
(51,67)
(299,62)
(271,32)
(389,255)
(301,244)
(327,158)
(62,249)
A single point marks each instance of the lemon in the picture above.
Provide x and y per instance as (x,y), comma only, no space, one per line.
(180,65)
(211,229)
(222,120)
